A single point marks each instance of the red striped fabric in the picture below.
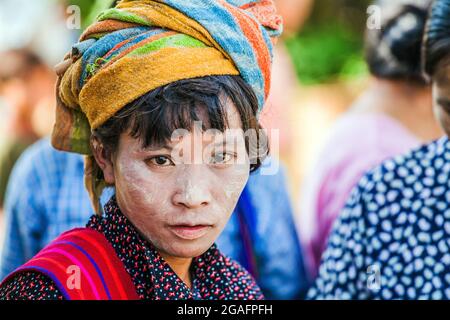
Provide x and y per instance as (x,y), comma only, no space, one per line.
(84,266)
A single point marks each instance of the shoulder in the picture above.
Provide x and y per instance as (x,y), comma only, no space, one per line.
(40,159)
(224,278)
(81,256)
(407,175)
(43,167)
(241,283)
(267,189)
(397,198)
(29,285)
(396,211)
(270,177)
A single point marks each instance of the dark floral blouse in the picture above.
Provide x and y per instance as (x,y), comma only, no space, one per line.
(214,276)
(392,240)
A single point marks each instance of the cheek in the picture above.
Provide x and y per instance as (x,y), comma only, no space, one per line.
(233,182)
(136,187)
(143,197)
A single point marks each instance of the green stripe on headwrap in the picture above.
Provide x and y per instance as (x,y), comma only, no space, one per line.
(122,15)
(178,40)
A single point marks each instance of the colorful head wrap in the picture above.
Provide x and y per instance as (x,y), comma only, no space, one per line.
(141,45)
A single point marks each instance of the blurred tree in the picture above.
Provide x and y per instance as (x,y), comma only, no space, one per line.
(330,46)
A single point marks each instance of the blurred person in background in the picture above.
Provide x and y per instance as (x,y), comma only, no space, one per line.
(392,240)
(29,48)
(261,233)
(26,87)
(393,115)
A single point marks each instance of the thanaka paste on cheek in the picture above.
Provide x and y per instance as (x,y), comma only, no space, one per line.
(137,195)
(137,200)
(234,187)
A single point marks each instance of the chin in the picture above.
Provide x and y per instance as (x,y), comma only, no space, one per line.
(184,249)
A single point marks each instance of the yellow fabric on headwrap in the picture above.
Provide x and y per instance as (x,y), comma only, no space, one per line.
(141,45)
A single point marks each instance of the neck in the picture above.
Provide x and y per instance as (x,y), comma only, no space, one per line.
(408,103)
(180,266)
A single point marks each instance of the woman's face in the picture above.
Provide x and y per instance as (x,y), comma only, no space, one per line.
(441,97)
(181,195)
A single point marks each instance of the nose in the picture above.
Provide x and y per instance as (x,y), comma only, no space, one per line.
(193,191)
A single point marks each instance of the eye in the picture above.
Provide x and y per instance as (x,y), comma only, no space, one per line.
(160,161)
(222,158)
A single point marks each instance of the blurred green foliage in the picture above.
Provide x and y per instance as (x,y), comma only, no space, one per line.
(89,9)
(330,46)
(326,53)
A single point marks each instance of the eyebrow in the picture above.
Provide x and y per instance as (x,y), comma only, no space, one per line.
(157,147)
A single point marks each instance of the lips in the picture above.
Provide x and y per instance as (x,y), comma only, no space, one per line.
(187,232)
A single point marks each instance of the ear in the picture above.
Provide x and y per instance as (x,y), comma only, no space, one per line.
(104,160)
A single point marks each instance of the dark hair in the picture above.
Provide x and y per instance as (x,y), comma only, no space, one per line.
(394,51)
(436,47)
(153,117)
